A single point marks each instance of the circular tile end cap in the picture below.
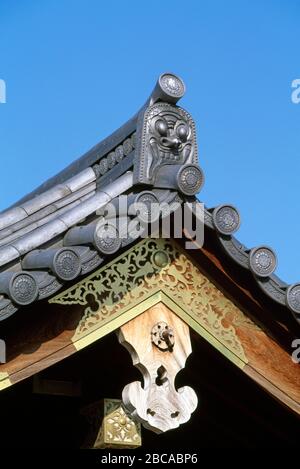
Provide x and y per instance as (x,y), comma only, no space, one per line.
(107,239)
(67,264)
(293,299)
(262,261)
(226,219)
(172,85)
(147,207)
(23,288)
(190,179)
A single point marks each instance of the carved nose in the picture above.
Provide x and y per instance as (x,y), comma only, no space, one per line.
(171,142)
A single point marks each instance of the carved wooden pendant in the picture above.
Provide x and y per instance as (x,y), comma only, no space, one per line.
(159,344)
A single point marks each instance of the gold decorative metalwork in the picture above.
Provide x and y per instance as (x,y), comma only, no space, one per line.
(111,426)
(141,272)
(118,427)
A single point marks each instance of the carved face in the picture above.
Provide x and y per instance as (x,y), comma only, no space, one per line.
(172,135)
(168,138)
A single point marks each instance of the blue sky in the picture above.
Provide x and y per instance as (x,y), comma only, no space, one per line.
(77,69)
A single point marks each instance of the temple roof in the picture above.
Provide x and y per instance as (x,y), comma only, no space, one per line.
(56,234)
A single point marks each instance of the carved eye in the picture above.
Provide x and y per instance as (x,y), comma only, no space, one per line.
(161,127)
(182,132)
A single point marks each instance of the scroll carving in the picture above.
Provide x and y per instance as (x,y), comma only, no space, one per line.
(149,267)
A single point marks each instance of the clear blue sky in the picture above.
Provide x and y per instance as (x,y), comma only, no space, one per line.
(77,69)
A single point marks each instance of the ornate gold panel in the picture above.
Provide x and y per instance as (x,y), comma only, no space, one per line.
(156,270)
